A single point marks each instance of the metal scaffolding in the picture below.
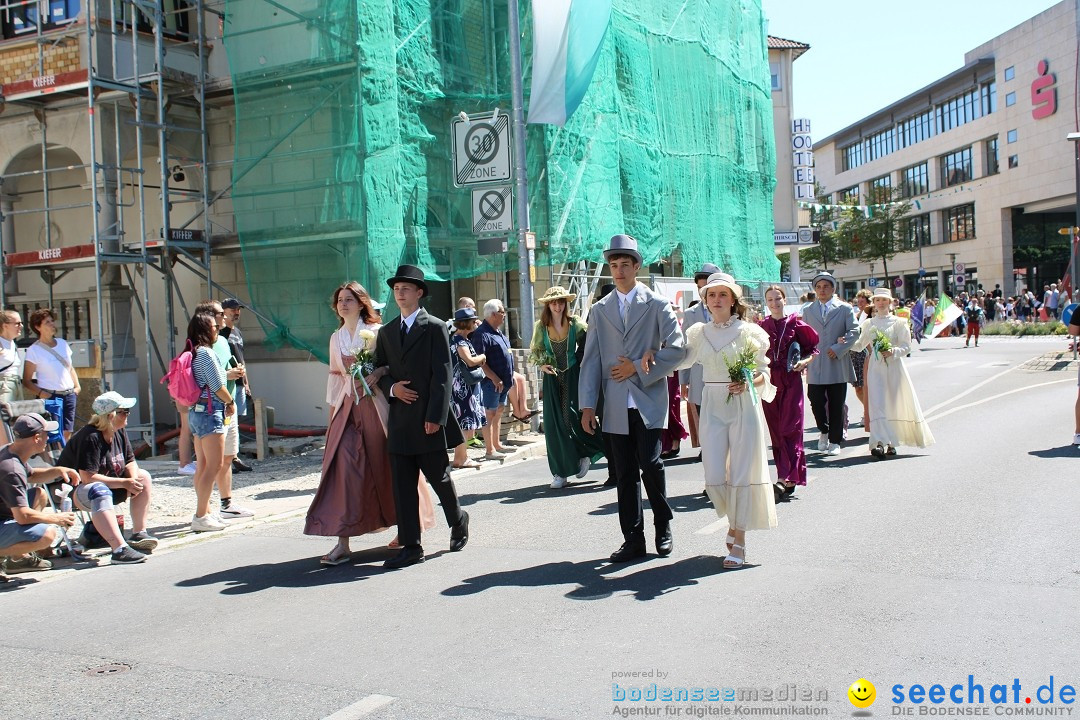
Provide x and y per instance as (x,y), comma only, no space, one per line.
(143,76)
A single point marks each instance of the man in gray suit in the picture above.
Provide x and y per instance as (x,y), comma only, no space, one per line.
(828,376)
(690,378)
(624,326)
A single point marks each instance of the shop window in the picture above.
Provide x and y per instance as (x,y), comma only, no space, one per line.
(22,18)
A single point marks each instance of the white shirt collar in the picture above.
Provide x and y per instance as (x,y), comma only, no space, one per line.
(628,297)
(411,319)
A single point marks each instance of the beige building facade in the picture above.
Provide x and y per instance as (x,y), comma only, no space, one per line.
(982,156)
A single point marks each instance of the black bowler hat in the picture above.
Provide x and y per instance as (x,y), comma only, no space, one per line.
(409,274)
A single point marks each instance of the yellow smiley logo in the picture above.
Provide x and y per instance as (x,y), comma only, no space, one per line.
(862,693)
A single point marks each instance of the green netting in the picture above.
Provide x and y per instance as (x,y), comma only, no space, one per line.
(343,162)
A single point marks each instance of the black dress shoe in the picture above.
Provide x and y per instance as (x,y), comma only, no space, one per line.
(629,551)
(459,536)
(611,482)
(239,465)
(664,541)
(406,556)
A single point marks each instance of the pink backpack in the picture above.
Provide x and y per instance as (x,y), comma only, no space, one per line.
(181,379)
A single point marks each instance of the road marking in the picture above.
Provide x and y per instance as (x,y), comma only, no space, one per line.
(913,363)
(991,364)
(950,411)
(970,390)
(954,364)
(360,708)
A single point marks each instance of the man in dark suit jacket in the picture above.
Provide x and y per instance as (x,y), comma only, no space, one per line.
(416,352)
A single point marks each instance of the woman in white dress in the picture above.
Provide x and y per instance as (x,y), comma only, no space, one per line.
(731,425)
(895,415)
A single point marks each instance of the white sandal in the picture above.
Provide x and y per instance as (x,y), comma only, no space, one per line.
(729,541)
(734,563)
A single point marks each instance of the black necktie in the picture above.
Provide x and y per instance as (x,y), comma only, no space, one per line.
(404,331)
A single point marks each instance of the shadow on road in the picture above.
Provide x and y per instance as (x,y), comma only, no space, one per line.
(1069,451)
(302,573)
(590,578)
(515,496)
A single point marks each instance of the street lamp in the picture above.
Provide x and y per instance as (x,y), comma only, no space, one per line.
(1074,275)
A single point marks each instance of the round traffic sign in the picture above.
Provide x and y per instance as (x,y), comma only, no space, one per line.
(959,280)
(959,268)
(481,143)
(492,205)
(1067,313)
(898,282)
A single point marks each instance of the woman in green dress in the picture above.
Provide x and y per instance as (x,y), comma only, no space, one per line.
(557,343)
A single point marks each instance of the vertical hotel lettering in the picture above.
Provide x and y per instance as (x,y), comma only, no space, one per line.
(1043,92)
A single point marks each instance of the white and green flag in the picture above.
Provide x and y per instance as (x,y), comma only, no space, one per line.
(944,315)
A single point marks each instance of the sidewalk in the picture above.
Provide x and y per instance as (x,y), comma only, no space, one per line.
(278,488)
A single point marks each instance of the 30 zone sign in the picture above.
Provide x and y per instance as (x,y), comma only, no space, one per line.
(481,149)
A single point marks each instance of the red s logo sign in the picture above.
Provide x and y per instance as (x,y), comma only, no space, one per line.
(1043,92)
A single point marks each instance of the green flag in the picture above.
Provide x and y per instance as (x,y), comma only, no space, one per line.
(944,314)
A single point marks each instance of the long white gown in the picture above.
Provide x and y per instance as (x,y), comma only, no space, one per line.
(733,434)
(895,416)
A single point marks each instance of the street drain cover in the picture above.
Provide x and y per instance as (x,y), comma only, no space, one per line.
(110,669)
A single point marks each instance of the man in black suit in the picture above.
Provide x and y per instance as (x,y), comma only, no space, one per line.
(416,352)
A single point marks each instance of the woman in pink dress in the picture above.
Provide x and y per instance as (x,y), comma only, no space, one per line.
(784,413)
(355,495)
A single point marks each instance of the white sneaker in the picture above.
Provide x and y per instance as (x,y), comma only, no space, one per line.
(834,449)
(583,468)
(558,482)
(823,443)
(188,469)
(235,511)
(1076,439)
(206,523)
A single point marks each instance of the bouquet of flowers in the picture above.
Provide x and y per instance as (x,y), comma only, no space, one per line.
(741,368)
(540,358)
(881,344)
(363,364)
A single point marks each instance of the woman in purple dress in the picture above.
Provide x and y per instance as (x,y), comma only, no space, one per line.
(784,414)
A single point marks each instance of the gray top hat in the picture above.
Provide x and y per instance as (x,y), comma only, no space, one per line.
(706,270)
(824,276)
(622,245)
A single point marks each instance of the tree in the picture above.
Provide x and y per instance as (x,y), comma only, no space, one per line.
(878,233)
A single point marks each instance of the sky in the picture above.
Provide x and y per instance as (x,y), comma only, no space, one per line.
(866,55)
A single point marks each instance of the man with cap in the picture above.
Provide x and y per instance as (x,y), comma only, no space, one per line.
(623,327)
(231,333)
(690,378)
(415,349)
(828,376)
(25,527)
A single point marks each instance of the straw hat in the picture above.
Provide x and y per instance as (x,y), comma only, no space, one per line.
(557,292)
(720,279)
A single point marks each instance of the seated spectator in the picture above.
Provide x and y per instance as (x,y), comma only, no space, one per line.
(25,527)
(101,453)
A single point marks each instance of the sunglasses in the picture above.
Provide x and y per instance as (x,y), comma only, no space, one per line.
(123,411)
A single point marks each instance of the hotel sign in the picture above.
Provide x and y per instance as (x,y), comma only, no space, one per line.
(802,160)
(1043,92)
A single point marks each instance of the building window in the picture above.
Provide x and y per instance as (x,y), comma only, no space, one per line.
(774,72)
(992,167)
(1010,99)
(881,184)
(849,196)
(174,18)
(915,232)
(1011,136)
(960,223)
(852,156)
(956,167)
(989,97)
(914,180)
(21,18)
(1014,161)
(1010,73)
(916,128)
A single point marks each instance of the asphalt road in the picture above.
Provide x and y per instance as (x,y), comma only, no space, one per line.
(942,563)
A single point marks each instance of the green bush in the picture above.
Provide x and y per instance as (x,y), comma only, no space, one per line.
(1019,329)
